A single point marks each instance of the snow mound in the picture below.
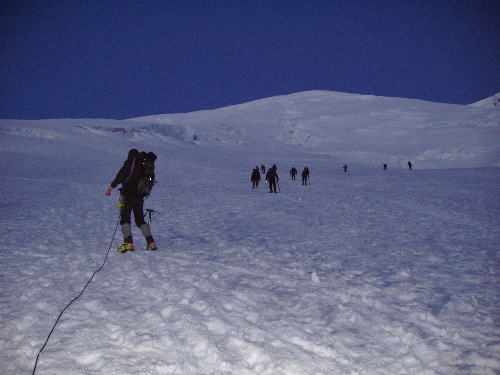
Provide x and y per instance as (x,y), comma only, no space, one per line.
(490,102)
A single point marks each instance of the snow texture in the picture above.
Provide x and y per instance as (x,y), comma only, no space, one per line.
(365,272)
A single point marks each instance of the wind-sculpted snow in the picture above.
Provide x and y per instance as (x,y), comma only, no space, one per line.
(73,128)
(366,272)
(181,132)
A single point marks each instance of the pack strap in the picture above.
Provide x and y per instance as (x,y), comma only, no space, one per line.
(124,183)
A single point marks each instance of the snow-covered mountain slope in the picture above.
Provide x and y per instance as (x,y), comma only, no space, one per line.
(490,102)
(346,128)
(360,272)
(356,128)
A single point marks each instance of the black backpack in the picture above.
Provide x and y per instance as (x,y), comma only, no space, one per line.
(143,176)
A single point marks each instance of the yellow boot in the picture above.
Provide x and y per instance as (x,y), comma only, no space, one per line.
(126,247)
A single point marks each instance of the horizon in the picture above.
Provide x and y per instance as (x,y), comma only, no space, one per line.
(139,118)
(350,128)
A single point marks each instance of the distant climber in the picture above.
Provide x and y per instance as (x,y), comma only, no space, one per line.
(255,178)
(305,176)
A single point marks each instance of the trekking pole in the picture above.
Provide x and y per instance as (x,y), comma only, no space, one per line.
(278,182)
(150,213)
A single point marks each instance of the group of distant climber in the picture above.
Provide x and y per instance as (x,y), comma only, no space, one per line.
(305,175)
(410,165)
(272,176)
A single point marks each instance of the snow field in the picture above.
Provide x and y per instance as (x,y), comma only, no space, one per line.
(365,272)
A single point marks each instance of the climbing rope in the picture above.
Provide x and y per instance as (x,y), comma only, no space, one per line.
(74,299)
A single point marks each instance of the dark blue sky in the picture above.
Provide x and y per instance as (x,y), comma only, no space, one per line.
(129,58)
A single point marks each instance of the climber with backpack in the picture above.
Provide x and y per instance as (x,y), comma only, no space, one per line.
(305,175)
(137,179)
(272,178)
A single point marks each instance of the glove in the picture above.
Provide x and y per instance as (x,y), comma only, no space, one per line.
(110,189)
